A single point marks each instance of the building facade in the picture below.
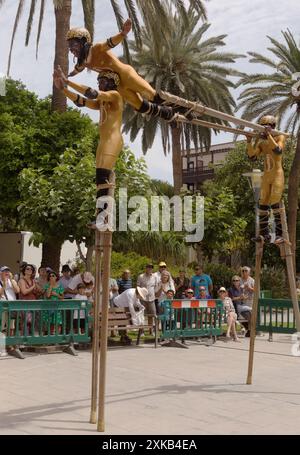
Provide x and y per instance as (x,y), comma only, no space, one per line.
(199,166)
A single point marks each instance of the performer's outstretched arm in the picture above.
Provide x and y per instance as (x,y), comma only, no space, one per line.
(114,40)
(92,93)
(80,101)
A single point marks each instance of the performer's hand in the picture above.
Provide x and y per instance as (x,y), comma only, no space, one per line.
(126,27)
(58,82)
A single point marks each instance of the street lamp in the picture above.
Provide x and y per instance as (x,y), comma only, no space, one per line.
(254,179)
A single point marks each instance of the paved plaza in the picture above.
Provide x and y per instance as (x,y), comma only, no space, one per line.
(170,391)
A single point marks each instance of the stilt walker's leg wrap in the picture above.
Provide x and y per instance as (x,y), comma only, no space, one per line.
(278,225)
(155,110)
(102,182)
(264,233)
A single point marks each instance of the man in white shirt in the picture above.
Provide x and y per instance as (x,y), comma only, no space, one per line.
(85,278)
(8,290)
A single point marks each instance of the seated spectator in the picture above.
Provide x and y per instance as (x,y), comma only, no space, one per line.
(242,309)
(65,280)
(125,282)
(182,283)
(203,295)
(53,291)
(81,295)
(189,294)
(230,314)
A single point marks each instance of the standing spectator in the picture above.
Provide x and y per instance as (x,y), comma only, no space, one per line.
(29,290)
(65,280)
(161,267)
(113,290)
(9,290)
(19,274)
(237,296)
(42,280)
(53,291)
(81,295)
(149,281)
(163,286)
(85,278)
(230,314)
(182,283)
(201,279)
(247,284)
(125,282)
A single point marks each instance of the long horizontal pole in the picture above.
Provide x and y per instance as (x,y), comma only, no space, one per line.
(201,109)
(183,119)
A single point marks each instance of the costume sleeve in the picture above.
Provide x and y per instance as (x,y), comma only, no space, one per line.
(80,101)
(110,43)
(77,69)
(88,92)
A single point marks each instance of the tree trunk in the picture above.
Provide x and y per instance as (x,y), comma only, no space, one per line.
(176,159)
(62,24)
(294,182)
(89,257)
(51,254)
(51,249)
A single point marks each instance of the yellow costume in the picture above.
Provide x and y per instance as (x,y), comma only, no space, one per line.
(273,179)
(110,105)
(133,88)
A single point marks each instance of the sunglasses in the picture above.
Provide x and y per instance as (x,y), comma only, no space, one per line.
(244,270)
(235,281)
(52,275)
(190,293)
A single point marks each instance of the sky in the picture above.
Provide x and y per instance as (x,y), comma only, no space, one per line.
(247,25)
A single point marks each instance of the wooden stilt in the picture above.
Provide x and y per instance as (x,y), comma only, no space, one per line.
(95,348)
(106,240)
(290,266)
(258,259)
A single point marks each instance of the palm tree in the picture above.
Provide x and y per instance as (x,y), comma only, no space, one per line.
(186,64)
(271,93)
(62,9)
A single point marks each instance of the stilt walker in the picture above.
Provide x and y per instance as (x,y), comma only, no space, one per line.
(110,105)
(272,184)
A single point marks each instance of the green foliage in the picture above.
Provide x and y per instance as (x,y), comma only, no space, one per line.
(162,188)
(274,278)
(132,261)
(220,274)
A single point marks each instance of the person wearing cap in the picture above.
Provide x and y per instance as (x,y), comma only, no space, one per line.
(203,293)
(230,314)
(125,282)
(8,286)
(149,281)
(65,280)
(131,298)
(247,284)
(201,279)
(181,283)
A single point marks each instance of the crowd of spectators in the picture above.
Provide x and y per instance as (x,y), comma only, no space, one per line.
(152,287)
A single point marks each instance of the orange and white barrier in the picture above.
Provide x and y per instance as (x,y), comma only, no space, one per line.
(179,304)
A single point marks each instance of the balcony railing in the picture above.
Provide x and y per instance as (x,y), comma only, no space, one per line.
(198,174)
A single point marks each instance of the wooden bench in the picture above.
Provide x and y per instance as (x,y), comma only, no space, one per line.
(120,319)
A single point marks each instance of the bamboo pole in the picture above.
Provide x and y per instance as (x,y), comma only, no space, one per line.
(95,347)
(258,258)
(106,237)
(290,266)
(183,119)
(203,110)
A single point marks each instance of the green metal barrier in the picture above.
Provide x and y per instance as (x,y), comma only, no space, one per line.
(191,318)
(44,322)
(275,316)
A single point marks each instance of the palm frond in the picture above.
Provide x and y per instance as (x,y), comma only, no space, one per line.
(30,20)
(41,17)
(16,23)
